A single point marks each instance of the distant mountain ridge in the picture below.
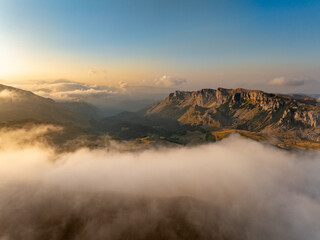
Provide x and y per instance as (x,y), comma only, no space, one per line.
(184,117)
(239,108)
(19,104)
(279,116)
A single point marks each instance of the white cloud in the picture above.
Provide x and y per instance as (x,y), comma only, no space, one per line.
(282,81)
(215,190)
(123,85)
(7,94)
(65,89)
(110,100)
(168,81)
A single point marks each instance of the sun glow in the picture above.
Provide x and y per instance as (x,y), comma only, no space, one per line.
(11,62)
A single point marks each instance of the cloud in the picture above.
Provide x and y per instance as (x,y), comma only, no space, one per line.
(62,90)
(212,191)
(66,90)
(110,100)
(168,81)
(282,81)
(123,85)
(92,71)
(95,71)
(25,138)
(7,94)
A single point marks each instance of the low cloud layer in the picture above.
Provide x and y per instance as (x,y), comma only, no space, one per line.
(282,81)
(234,189)
(65,90)
(110,100)
(7,94)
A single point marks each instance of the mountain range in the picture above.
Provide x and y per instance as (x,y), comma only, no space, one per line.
(17,104)
(183,118)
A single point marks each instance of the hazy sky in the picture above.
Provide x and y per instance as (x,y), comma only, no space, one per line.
(189,44)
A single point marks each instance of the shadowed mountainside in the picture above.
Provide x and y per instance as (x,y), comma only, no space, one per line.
(17,104)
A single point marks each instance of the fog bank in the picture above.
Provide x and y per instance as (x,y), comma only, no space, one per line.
(233,189)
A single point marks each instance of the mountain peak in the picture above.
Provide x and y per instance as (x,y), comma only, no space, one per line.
(239,108)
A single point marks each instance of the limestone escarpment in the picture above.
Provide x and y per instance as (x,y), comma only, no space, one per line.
(252,110)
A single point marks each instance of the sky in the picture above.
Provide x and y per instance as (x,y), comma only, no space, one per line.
(272,45)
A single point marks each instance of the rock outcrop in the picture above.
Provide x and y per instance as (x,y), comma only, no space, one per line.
(239,108)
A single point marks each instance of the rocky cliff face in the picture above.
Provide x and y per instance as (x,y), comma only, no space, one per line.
(240,108)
